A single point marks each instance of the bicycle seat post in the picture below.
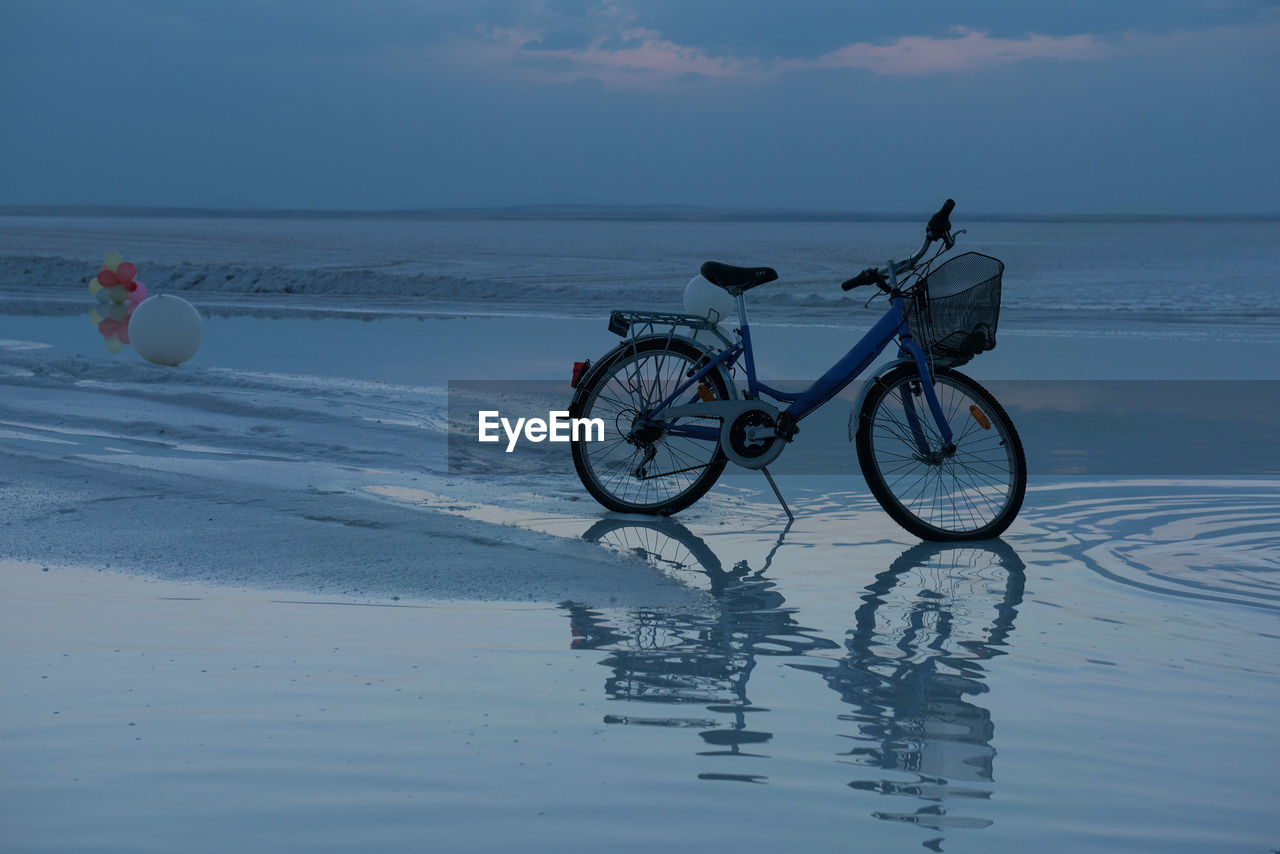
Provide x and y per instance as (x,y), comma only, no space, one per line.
(748,355)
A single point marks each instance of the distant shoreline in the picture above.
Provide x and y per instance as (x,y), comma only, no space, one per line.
(639,213)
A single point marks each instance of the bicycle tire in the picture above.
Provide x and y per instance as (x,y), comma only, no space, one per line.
(615,490)
(974,494)
(662,542)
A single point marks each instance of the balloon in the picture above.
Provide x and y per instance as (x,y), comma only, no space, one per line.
(706,300)
(118,294)
(166,330)
(118,328)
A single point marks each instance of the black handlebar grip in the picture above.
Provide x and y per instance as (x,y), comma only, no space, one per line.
(869,276)
(940,223)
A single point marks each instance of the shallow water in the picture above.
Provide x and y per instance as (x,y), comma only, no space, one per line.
(1104,678)
(1037,692)
(434,350)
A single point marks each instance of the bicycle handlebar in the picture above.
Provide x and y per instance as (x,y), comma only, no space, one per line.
(909,263)
(869,276)
(939,228)
(940,223)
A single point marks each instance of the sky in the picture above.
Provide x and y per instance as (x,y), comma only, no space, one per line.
(1009,106)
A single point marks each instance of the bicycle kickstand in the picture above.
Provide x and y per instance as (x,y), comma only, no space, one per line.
(781,500)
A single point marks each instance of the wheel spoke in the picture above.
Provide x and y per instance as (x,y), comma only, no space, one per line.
(959,491)
(673,465)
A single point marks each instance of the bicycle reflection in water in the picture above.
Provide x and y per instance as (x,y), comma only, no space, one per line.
(695,659)
(909,666)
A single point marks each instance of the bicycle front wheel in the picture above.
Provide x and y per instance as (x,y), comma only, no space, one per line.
(970,493)
(638,469)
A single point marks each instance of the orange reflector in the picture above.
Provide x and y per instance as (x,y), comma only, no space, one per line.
(705,392)
(980,416)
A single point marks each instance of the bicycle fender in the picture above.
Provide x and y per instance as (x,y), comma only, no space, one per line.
(866,389)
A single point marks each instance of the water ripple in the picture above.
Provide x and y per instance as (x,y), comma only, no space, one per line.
(1216,541)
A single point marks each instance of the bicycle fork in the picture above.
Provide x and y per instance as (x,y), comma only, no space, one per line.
(925,454)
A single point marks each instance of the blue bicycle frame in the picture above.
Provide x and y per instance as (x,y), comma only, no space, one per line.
(893,325)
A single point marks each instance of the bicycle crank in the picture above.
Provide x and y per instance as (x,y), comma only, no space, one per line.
(751,438)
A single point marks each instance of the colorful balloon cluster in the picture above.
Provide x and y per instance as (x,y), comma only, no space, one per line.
(115,282)
(119,292)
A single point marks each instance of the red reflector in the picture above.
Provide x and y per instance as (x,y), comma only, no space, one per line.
(579,368)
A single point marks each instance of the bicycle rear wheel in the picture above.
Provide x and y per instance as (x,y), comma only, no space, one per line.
(971,493)
(645,470)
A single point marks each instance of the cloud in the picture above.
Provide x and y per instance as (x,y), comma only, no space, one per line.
(614,49)
(628,56)
(637,53)
(966,50)
(617,53)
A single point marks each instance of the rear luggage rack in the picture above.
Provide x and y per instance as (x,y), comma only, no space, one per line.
(635,323)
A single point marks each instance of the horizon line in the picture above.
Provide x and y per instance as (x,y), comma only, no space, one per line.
(584,211)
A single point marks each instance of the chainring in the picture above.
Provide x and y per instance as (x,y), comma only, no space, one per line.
(741,447)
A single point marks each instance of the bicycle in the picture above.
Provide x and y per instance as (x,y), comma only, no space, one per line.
(938,451)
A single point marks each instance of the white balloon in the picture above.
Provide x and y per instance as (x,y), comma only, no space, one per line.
(166,330)
(707,300)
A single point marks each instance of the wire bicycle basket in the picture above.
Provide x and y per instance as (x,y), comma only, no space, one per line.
(954,310)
